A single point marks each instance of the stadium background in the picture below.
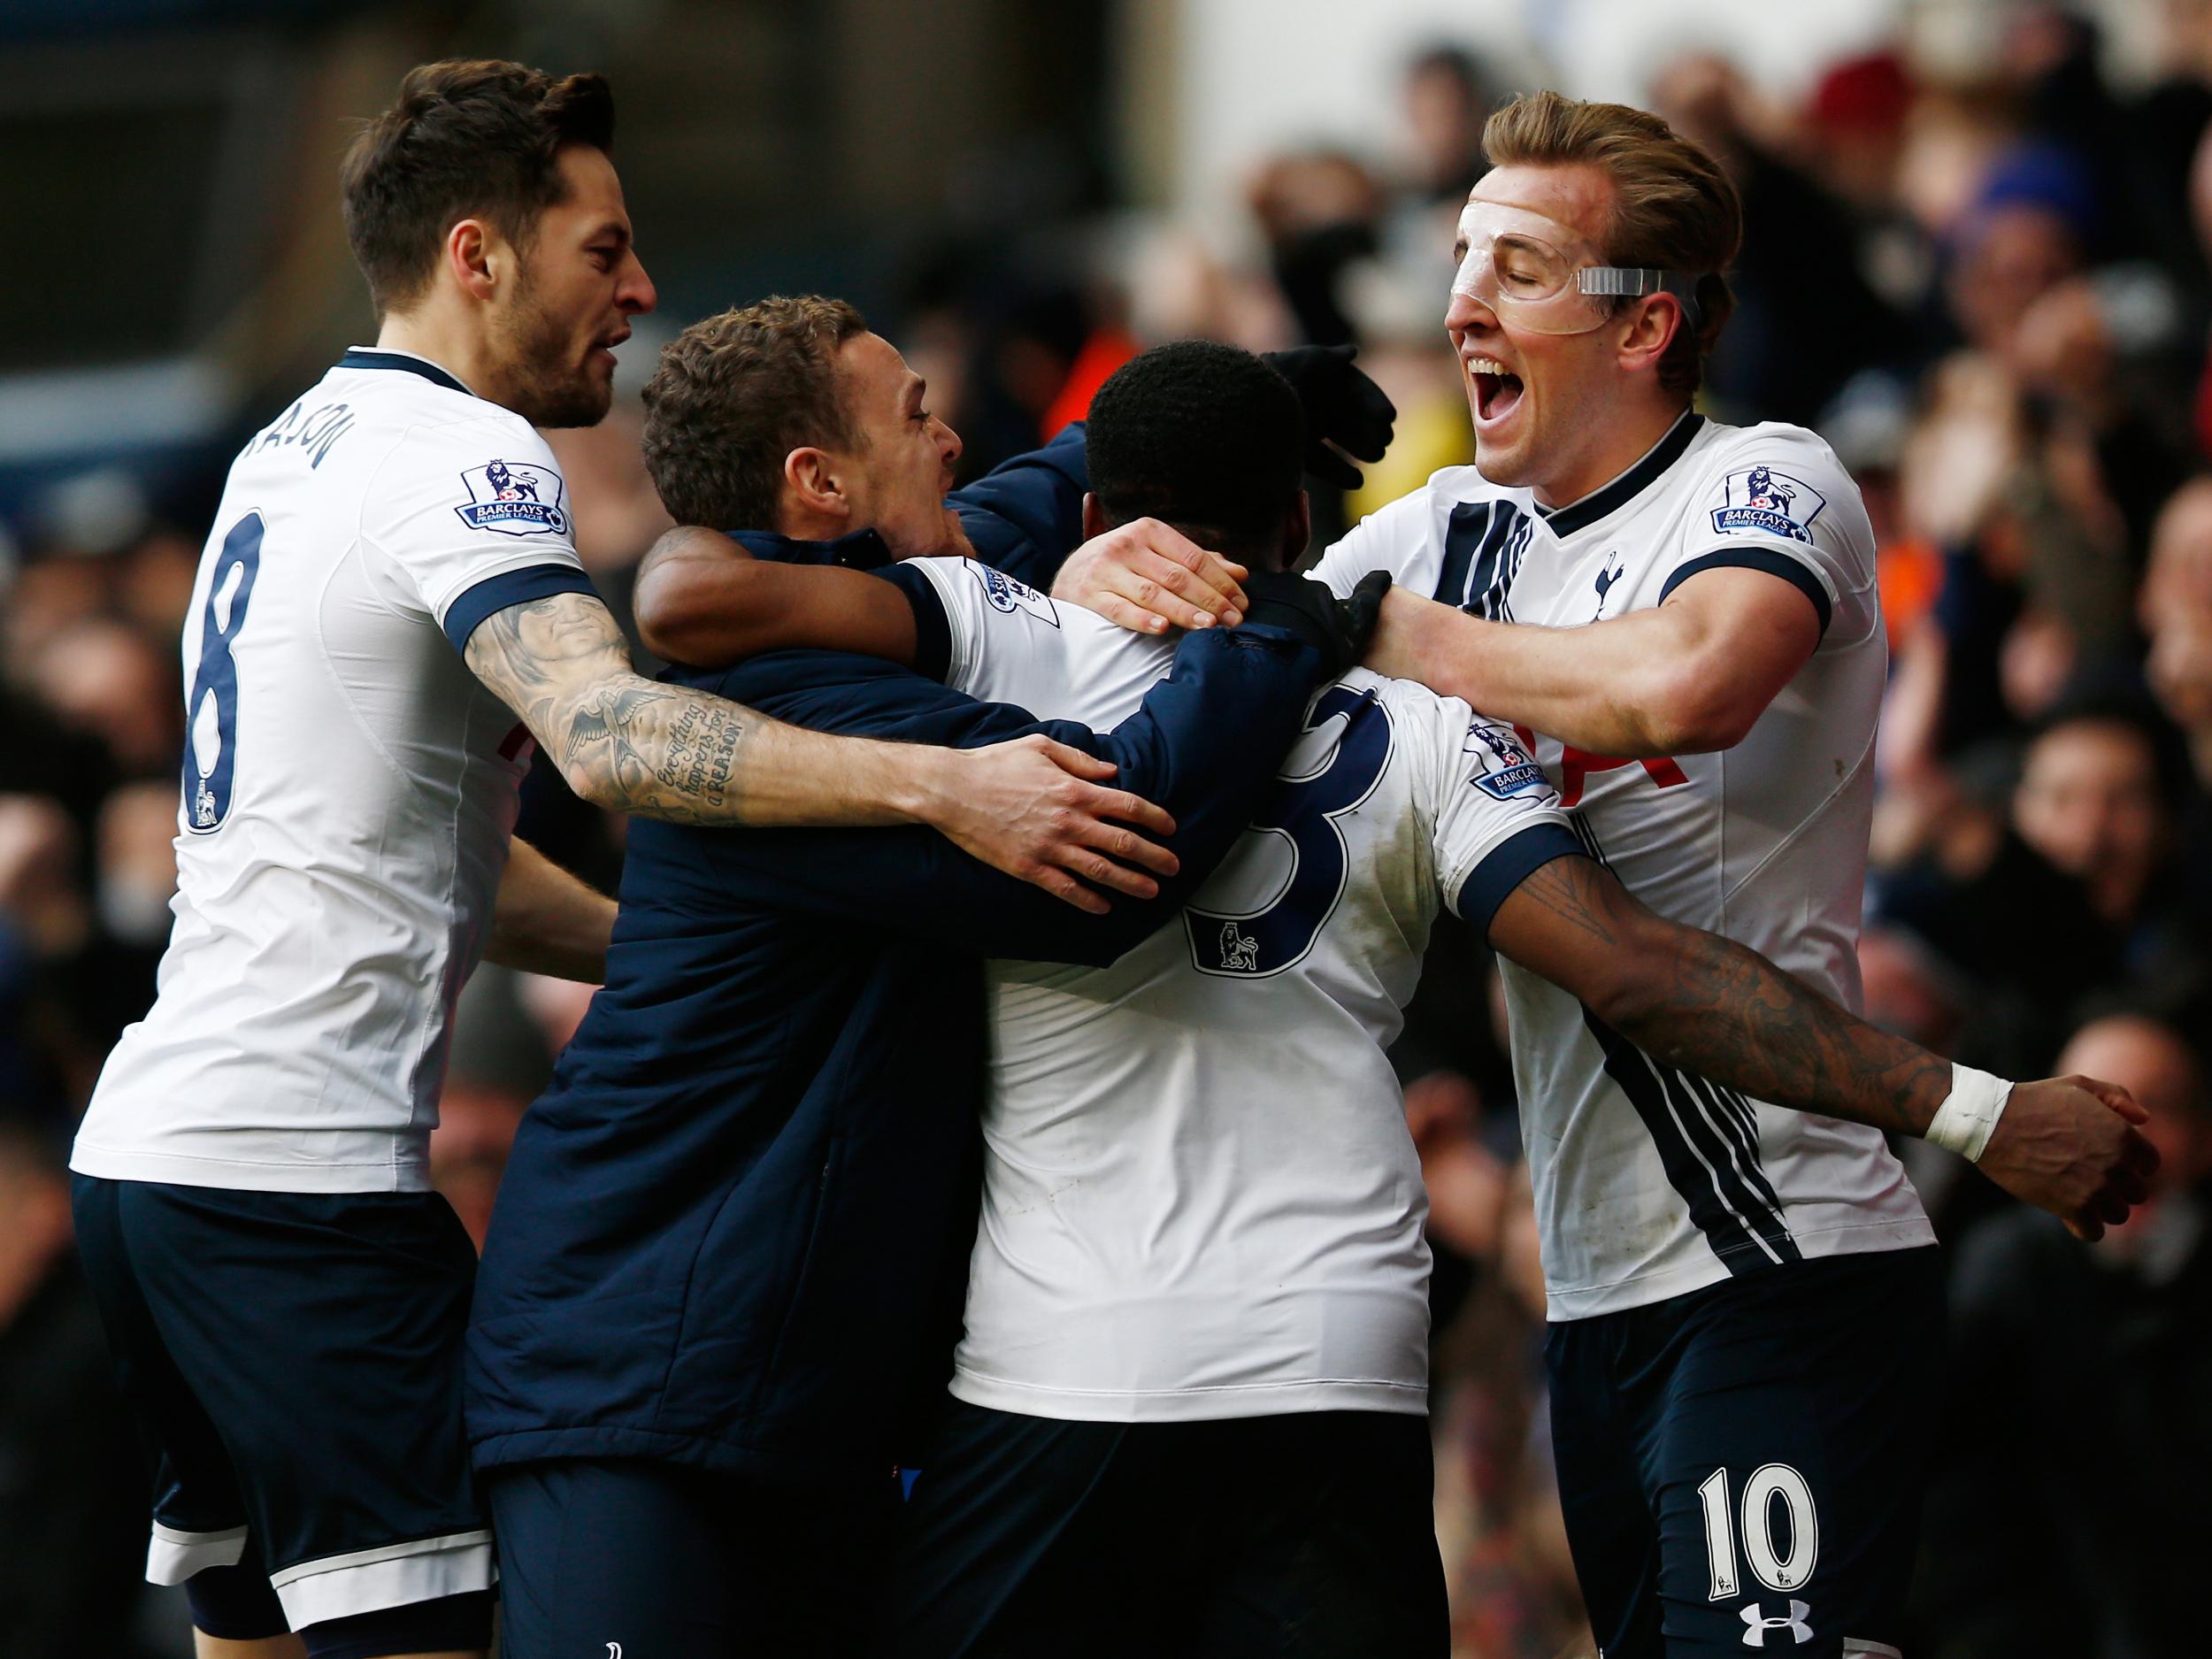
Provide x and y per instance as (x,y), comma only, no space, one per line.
(1977,262)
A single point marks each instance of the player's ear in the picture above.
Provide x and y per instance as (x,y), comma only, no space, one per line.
(1651,325)
(469,257)
(1095,523)
(812,484)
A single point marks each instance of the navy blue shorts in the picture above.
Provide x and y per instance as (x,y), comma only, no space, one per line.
(1741,1468)
(598,1556)
(293,1362)
(1305,1536)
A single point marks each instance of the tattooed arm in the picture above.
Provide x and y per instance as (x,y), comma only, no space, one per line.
(1032,808)
(1696,1002)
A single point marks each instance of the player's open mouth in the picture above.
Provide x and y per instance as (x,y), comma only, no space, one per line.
(1497,390)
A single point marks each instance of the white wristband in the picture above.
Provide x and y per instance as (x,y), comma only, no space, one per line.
(1965,1121)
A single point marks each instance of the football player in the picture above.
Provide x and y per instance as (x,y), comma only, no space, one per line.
(1681,617)
(731,1230)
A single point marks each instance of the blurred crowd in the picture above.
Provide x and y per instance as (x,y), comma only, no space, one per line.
(1993,297)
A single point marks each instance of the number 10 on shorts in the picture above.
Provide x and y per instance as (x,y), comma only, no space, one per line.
(1769,1485)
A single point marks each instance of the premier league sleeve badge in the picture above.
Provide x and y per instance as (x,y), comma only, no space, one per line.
(514,498)
(1763,498)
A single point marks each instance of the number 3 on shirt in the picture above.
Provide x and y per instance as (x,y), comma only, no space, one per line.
(211,744)
(1303,810)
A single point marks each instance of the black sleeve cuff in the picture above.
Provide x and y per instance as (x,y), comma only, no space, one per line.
(496,594)
(932,632)
(1757,559)
(1511,862)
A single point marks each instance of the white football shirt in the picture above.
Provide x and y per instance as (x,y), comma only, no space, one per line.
(1649,1182)
(348,788)
(1200,1197)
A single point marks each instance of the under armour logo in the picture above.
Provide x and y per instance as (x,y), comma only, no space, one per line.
(1759,1625)
(614,1650)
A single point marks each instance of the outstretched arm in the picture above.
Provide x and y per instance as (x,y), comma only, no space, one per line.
(635,745)
(703,599)
(1689,677)
(1696,1002)
(1205,742)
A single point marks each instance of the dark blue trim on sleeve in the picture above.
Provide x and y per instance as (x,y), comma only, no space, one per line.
(1511,862)
(496,594)
(1757,559)
(932,630)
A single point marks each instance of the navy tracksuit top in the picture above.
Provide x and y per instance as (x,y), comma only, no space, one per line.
(732,1229)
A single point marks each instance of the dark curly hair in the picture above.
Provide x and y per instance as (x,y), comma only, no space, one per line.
(1205,436)
(467,138)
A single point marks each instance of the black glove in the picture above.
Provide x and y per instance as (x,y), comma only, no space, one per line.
(1338,628)
(1343,406)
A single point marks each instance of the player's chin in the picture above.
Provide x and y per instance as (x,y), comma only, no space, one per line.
(1502,459)
(583,401)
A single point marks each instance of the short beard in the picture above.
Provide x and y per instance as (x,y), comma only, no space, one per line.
(535,382)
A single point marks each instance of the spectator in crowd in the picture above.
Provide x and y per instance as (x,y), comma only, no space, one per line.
(1318,210)
(1447,101)
(2092,802)
(1805,318)
(2037,907)
(2079,1447)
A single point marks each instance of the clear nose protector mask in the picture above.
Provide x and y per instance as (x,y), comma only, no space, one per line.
(1537,274)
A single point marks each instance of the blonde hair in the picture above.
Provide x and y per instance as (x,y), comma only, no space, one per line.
(1674,207)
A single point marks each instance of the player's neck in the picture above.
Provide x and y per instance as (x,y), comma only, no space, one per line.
(797,522)
(1624,441)
(457,348)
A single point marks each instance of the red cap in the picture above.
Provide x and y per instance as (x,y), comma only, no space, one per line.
(1869,94)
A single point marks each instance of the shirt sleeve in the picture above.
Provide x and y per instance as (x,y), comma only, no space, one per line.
(1006,642)
(465,519)
(998,632)
(1498,822)
(1780,501)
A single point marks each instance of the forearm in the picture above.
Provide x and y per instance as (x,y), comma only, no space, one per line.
(1727,1014)
(546,921)
(686,756)
(1204,745)
(1205,742)
(666,751)
(1611,688)
(702,599)
(1706,1005)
